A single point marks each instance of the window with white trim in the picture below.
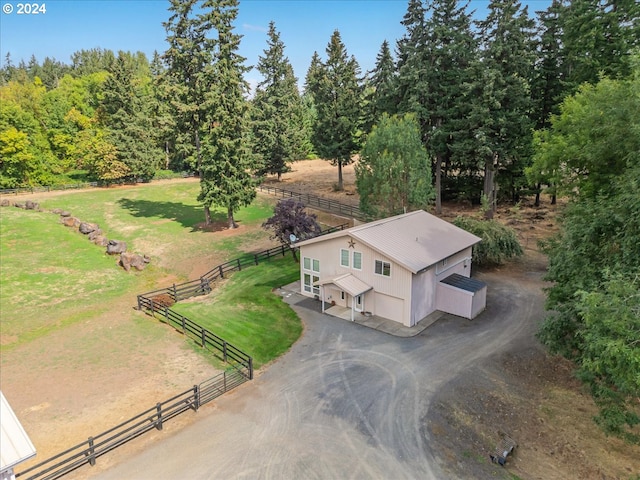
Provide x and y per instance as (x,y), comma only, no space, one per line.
(311,275)
(344,257)
(382,268)
(357,260)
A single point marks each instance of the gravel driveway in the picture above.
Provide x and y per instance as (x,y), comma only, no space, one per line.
(346,402)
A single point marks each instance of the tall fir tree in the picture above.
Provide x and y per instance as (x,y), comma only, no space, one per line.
(126,106)
(337,98)
(187,77)
(449,54)
(163,121)
(277,111)
(410,81)
(380,86)
(502,102)
(227,162)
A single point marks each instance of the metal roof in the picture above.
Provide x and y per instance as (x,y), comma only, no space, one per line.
(415,240)
(15,445)
(347,282)
(464,283)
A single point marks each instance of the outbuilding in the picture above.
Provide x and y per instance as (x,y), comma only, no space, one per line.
(402,268)
(15,445)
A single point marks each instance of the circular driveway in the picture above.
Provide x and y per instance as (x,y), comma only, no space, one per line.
(345,402)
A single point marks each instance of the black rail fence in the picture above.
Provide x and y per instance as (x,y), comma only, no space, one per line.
(155,303)
(88,451)
(320,203)
(51,188)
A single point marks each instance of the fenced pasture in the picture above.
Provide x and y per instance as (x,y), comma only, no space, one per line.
(66,316)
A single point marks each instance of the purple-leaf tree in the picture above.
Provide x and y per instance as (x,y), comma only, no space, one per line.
(290,218)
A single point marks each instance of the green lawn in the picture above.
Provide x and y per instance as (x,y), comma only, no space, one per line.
(53,277)
(244,311)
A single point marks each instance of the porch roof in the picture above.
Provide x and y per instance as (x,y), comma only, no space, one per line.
(348,283)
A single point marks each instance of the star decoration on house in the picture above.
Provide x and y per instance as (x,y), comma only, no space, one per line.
(352,243)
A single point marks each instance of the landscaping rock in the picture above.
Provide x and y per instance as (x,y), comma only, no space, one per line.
(19,205)
(5,202)
(86,228)
(100,240)
(31,205)
(94,234)
(72,222)
(116,247)
(135,260)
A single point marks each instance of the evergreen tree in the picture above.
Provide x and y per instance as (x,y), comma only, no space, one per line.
(277,113)
(187,78)
(164,123)
(410,82)
(449,54)
(393,174)
(337,98)
(126,107)
(227,162)
(502,99)
(598,38)
(380,85)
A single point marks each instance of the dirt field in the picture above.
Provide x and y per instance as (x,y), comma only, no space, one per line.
(527,391)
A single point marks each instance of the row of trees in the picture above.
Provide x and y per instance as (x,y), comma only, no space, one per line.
(592,153)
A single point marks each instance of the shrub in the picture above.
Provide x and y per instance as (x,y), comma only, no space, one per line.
(499,242)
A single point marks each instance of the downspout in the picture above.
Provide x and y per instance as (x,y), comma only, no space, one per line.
(322,295)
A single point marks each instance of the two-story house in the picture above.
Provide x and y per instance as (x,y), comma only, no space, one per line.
(402,268)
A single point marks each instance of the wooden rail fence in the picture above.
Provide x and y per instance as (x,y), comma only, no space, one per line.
(241,370)
(89,450)
(320,203)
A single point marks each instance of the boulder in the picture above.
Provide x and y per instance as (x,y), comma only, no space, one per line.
(64,213)
(100,240)
(71,222)
(31,205)
(57,211)
(5,202)
(116,247)
(94,234)
(20,205)
(135,260)
(86,228)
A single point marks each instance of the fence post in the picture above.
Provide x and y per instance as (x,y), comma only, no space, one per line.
(166,313)
(224,377)
(255,258)
(183,325)
(220,270)
(153,310)
(224,350)
(283,253)
(239,265)
(203,337)
(196,397)
(92,453)
(159,412)
(175,293)
(250,368)
(139,303)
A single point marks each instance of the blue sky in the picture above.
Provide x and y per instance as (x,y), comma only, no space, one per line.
(305,27)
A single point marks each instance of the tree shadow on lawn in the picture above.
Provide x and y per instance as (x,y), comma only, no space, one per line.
(189,216)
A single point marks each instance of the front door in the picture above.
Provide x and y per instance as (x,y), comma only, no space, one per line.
(359,304)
